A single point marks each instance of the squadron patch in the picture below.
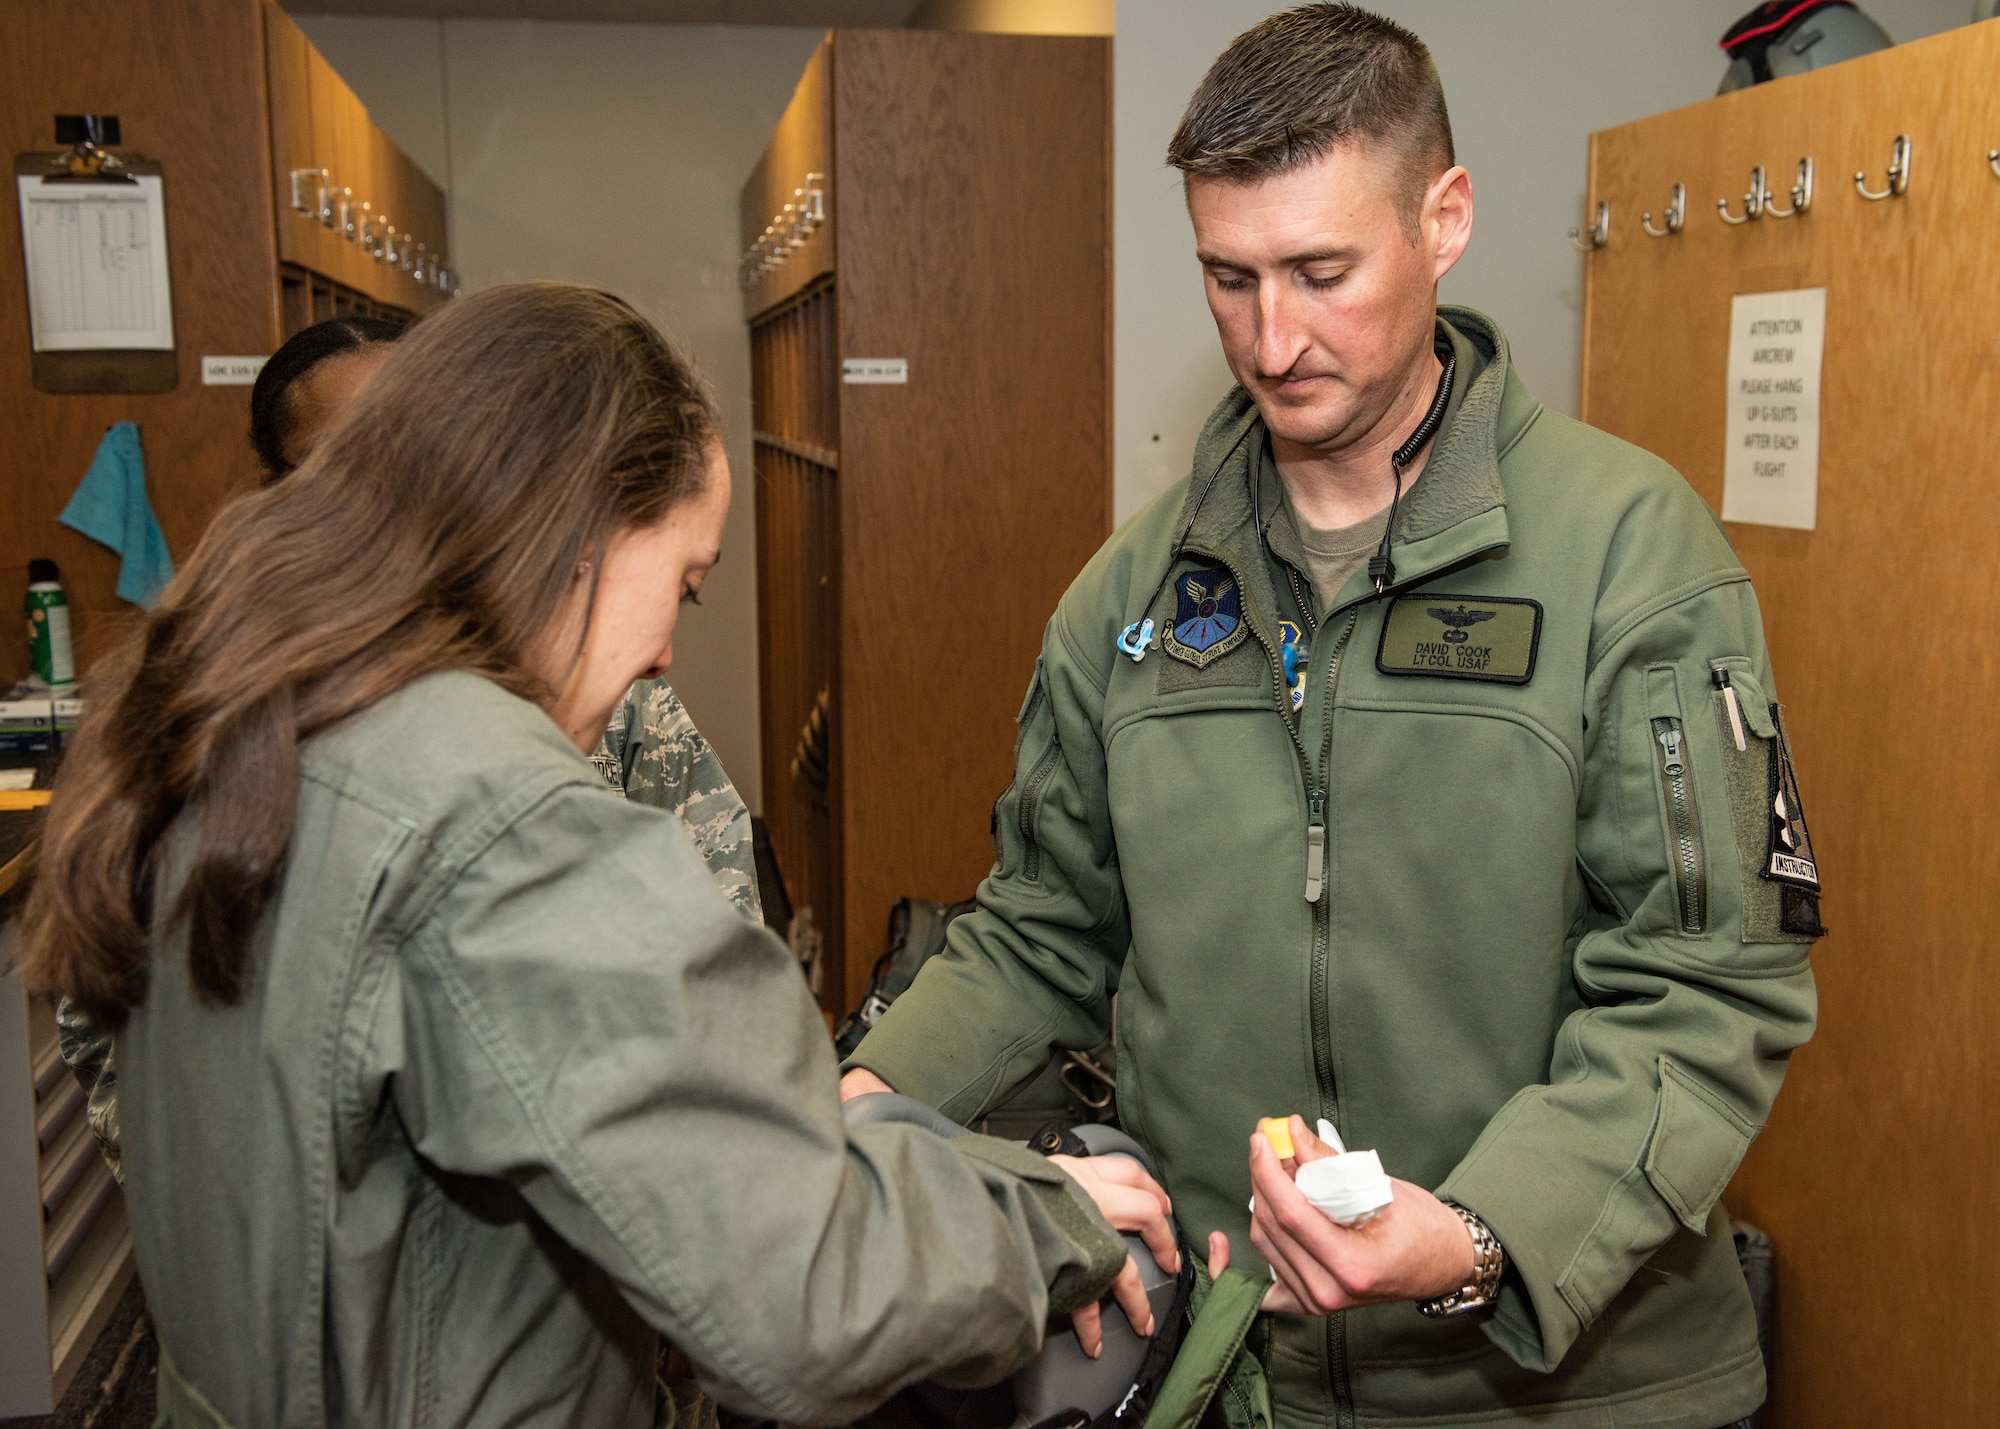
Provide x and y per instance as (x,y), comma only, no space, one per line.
(1788,859)
(1461,637)
(1208,617)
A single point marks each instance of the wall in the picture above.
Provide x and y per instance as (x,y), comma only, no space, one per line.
(1527,80)
(607,154)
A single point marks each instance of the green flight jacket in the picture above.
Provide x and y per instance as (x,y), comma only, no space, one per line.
(651,752)
(1544,977)
(513,1091)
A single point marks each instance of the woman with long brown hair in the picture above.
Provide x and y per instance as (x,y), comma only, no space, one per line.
(448,1079)
(651,750)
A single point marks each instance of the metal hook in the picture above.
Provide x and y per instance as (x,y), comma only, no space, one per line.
(1676,215)
(1993,160)
(1802,193)
(1754,201)
(1599,233)
(1899,173)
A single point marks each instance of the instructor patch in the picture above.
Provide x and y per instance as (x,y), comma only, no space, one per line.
(1208,617)
(1788,859)
(1461,637)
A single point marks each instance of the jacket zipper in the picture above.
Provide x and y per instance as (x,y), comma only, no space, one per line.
(1031,796)
(1322,1015)
(1316,880)
(1322,1018)
(1035,697)
(1315,785)
(1690,877)
(1028,715)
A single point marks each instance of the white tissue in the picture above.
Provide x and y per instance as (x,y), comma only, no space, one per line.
(1347,1189)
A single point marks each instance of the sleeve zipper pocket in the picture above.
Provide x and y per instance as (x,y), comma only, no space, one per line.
(1677,783)
(1031,798)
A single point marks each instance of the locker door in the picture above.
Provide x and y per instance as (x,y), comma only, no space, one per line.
(1873,1177)
(288,69)
(795,409)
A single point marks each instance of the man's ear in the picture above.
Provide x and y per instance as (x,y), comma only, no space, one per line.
(1448,218)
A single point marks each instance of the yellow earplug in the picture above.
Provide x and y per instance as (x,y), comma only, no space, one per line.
(1278,1131)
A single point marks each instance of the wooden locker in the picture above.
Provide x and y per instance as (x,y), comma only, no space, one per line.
(1873,1177)
(914,536)
(427,217)
(354,157)
(332,152)
(302,238)
(318,122)
(387,195)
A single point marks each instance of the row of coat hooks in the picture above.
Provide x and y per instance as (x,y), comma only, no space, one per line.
(1759,201)
(786,233)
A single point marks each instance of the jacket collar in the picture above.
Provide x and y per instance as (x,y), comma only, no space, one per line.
(1455,510)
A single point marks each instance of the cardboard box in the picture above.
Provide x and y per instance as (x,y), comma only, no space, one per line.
(26,725)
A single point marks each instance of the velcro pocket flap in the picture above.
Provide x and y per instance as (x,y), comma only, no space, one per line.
(1663,695)
(1697,1142)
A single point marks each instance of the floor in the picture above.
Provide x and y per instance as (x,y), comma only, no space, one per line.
(114,1387)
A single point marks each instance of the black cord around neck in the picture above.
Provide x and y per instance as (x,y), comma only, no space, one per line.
(1380,569)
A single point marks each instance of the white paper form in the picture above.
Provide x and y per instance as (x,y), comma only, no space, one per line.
(1770,471)
(97,265)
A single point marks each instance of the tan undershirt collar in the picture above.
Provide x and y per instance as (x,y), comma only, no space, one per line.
(1333,556)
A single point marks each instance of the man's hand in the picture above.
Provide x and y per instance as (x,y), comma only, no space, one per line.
(859,1082)
(1132,1201)
(1415,1249)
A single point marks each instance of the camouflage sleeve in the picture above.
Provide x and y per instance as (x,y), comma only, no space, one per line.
(92,1057)
(609,756)
(653,754)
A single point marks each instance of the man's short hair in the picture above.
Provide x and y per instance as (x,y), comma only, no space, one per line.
(1292,88)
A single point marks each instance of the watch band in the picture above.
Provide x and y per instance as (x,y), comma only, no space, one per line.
(1488,1260)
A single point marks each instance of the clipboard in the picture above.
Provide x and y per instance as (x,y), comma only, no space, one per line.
(100,369)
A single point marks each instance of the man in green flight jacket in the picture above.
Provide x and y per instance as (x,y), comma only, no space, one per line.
(1414,764)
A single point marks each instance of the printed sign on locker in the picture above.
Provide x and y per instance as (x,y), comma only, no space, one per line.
(1770,472)
(230,371)
(875,370)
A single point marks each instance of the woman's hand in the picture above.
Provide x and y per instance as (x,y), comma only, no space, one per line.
(1277,1300)
(1132,1201)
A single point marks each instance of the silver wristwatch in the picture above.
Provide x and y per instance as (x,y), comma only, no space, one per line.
(1488,1260)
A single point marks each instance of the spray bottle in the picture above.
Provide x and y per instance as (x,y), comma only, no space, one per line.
(48,627)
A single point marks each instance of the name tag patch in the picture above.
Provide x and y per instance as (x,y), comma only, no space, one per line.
(1461,637)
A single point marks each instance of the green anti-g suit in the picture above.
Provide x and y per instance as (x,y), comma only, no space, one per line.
(1545,975)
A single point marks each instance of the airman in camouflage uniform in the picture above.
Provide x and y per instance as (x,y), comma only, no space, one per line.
(651,753)
(89,1054)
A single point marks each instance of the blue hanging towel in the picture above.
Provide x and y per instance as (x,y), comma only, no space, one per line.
(111,508)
